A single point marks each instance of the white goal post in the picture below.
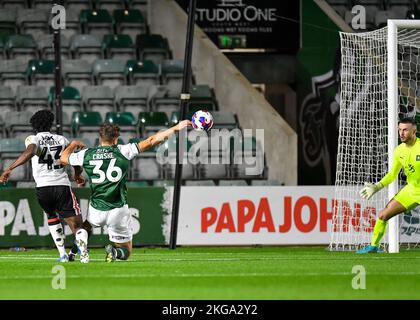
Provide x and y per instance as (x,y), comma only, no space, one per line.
(380,82)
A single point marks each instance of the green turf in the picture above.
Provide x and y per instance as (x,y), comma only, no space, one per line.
(214,273)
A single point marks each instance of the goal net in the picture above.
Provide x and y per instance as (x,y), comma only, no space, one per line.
(366,113)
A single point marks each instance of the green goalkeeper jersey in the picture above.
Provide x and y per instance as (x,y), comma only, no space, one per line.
(107,168)
(407,157)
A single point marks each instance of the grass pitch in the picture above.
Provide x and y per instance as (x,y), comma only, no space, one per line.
(214,273)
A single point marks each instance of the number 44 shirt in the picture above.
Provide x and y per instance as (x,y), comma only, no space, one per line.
(46,168)
(107,168)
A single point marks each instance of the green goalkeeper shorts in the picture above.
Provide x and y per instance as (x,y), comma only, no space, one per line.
(408,196)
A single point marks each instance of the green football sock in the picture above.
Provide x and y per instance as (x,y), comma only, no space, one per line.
(378,232)
(122,253)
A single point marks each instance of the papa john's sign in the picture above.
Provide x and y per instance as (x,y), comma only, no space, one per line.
(265,215)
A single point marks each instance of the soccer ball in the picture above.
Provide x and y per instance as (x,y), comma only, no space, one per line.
(202,120)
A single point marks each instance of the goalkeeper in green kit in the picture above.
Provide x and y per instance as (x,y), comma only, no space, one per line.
(407,156)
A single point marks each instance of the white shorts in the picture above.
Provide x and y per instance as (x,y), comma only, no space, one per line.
(117,220)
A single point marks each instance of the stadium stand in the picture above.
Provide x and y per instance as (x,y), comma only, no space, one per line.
(113,70)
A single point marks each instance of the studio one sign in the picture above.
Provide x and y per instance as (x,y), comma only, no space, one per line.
(252,24)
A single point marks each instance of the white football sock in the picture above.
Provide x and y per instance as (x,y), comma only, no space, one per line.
(82,235)
(57,233)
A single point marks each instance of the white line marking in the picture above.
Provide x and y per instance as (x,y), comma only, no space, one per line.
(208,275)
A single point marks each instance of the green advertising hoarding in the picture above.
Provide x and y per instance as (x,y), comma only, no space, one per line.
(23,224)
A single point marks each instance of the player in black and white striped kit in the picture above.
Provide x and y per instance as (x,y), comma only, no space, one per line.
(53,186)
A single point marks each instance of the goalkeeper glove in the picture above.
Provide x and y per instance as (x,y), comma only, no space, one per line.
(370,189)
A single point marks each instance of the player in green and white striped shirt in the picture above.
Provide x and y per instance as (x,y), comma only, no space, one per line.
(107,168)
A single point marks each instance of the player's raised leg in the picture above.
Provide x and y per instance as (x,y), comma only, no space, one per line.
(392,209)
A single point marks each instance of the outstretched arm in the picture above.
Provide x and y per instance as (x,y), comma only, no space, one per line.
(64,158)
(162,136)
(23,158)
(370,188)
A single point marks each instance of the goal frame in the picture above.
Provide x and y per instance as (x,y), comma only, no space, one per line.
(392,64)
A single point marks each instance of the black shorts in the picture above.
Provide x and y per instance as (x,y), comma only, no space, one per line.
(58,199)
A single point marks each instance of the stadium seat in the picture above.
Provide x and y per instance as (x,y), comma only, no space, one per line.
(172,74)
(165,100)
(33,21)
(152,122)
(26,184)
(98,98)
(152,47)
(224,120)
(201,98)
(98,22)
(41,72)
(146,168)
(127,123)
(46,46)
(72,23)
(214,169)
(233,183)
(110,5)
(86,46)
(189,170)
(10,149)
(143,6)
(4,34)
(86,125)
(215,158)
(13,73)
(21,46)
(11,145)
(130,22)
(269,182)
(31,98)
(17,124)
(77,73)
(200,183)
(109,72)
(14,4)
(7,100)
(142,72)
(71,100)
(8,19)
(132,98)
(118,45)
(175,117)
(78,5)
(40,4)
(249,163)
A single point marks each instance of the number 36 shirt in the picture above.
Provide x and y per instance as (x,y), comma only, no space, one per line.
(46,168)
(107,168)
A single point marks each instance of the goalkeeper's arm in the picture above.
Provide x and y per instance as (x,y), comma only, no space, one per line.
(371,188)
